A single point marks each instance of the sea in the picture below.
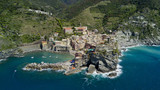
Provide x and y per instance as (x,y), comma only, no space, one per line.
(140,71)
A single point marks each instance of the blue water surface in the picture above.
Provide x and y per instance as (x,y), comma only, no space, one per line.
(141,71)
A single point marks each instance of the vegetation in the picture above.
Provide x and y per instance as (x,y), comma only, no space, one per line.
(29,38)
(18,25)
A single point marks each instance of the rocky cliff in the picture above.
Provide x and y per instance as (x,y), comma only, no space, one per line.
(141,28)
(101,63)
(126,39)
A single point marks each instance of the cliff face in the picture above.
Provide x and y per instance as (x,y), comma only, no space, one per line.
(141,28)
(10,52)
(101,63)
(125,39)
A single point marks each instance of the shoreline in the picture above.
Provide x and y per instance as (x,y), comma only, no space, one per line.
(2,60)
(118,71)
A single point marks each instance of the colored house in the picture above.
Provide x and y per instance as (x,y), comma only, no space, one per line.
(56,34)
(78,55)
(44,42)
(61,48)
(68,30)
(51,39)
(58,42)
(82,30)
(44,45)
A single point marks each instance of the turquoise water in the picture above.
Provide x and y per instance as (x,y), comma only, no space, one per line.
(141,71)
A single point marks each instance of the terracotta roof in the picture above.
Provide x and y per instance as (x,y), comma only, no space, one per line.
(44,42)
(67,28)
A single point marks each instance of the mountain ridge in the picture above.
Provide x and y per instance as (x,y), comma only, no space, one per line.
(18,25)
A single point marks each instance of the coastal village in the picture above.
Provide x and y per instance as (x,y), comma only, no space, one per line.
(98,52)
(87,41)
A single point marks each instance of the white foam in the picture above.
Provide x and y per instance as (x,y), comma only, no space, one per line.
(156,45)
(119,60)
(60,70)
(105,75)
(25,69)
(2,60)
(87,82)
(127,49)
(134,46)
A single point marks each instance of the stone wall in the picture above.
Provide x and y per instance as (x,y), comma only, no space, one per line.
(30,48)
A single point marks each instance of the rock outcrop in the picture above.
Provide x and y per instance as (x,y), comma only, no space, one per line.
(10,52)
(126,39)
(91,68)
(43,66)
(102,63)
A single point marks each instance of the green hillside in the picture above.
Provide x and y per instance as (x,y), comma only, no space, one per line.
(18,25)
(91,17)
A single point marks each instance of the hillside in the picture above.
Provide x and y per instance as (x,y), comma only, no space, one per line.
(54,6)
(91,17)
(18,25)
(57,7)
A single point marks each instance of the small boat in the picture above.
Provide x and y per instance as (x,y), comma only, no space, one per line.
(15,70)
(43,57)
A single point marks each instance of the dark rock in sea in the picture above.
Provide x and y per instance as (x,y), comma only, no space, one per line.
(41,66)
(72,71)
(102,67)
(112,75)
(102,63)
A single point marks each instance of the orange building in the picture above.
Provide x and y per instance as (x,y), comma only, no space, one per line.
(81,29)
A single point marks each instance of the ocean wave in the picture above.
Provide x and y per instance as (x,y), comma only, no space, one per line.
(119,60)
(118,71)
(126,49)
(156,45)
(2,60)
(135,46)
(60,70)
(87,82)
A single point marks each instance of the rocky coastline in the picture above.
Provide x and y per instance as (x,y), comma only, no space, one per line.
(104,63)
(99,63)
(22,50)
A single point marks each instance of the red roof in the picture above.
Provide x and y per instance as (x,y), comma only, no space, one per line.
(68,28)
